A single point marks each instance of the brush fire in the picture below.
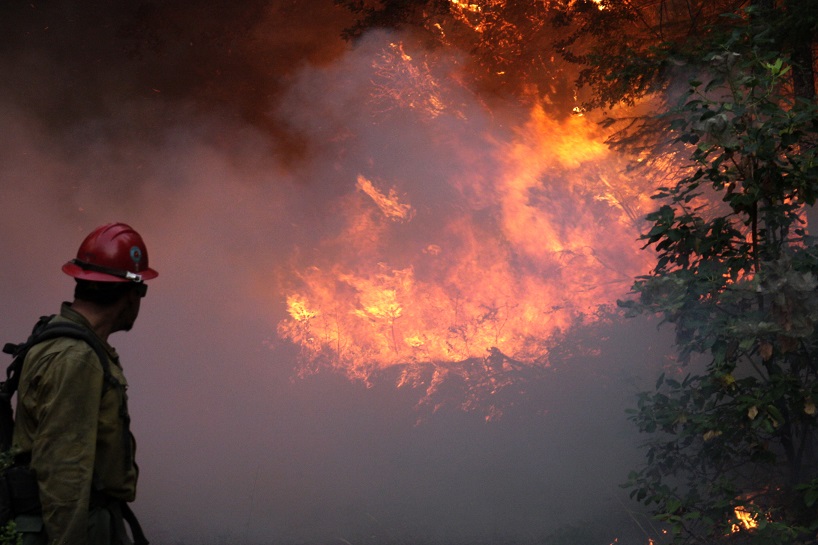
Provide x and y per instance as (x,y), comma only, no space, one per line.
(535,235)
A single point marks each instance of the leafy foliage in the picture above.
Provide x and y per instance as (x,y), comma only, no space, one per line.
(514,46)
(732,430)
(9,535)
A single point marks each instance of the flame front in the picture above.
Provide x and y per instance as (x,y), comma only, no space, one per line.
(516,253)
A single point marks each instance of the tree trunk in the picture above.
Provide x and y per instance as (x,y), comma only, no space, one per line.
(801,41)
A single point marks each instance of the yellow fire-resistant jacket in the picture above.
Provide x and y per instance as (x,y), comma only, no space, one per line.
(77,436)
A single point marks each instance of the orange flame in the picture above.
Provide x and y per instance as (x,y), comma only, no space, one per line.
(747,519)
(389,204)
(517,257)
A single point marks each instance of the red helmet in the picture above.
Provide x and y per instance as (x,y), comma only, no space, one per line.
(111,253)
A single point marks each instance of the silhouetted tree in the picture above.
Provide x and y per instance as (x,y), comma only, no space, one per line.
(732,430)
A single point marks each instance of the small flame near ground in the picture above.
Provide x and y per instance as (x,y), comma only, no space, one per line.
(747,519)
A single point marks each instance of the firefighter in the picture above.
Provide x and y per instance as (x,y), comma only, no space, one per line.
(72,422)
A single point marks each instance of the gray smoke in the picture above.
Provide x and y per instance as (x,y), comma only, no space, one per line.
(226,137)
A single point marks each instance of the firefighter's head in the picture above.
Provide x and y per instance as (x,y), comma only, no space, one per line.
(111,268)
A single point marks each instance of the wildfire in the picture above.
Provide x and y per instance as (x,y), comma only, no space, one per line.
(520,245)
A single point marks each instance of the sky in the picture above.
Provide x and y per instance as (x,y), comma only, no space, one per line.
(233,139)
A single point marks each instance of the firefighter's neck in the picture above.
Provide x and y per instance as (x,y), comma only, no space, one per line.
(104,320)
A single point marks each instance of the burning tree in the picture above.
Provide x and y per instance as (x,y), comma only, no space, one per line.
(570,54)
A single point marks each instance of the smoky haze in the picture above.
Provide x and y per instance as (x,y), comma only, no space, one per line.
(230,137)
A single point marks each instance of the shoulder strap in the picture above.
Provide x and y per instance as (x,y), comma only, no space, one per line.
(46,330)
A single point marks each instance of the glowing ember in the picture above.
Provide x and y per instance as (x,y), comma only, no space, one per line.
(475,8)
(400,82)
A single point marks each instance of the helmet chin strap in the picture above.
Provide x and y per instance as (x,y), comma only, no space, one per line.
(107,270)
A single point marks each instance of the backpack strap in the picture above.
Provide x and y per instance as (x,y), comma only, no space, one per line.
(46,330)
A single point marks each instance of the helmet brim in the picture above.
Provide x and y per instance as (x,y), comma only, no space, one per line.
(72,269)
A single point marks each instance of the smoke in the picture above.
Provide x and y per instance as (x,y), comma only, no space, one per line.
(232,140)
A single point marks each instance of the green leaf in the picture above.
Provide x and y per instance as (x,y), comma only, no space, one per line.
(660,381)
